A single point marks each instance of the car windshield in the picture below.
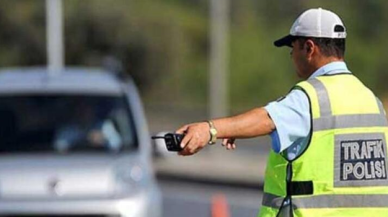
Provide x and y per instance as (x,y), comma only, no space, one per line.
(65,124)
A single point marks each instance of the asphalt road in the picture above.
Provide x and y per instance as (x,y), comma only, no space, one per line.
(189,199)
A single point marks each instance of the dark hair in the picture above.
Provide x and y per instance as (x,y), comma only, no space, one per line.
(328,46)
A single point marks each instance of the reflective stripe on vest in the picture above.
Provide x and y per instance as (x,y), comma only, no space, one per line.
(323,97)
(349,121)
(272,200)
(341,201)
(329,201)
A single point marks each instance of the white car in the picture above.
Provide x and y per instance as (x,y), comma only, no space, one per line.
(74,143)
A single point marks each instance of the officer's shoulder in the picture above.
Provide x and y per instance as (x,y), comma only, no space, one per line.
(294,92)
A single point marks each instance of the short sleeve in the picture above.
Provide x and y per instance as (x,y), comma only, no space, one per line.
(291,116)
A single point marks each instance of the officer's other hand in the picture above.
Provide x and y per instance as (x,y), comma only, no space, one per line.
(197,137)
(229,143)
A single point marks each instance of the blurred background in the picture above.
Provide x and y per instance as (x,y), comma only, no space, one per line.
(164,45)
(168,48)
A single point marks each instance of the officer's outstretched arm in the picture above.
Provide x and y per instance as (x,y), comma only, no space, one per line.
(253,123)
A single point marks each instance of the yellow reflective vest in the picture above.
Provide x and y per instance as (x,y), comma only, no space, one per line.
(343,170)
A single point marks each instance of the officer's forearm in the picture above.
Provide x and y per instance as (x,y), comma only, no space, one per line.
(253,123)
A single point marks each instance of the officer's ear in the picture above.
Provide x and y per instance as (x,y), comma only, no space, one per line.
(310,47)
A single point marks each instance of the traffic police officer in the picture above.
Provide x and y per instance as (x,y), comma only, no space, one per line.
(329,149)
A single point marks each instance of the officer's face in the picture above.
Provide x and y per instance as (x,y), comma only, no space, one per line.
(299,57)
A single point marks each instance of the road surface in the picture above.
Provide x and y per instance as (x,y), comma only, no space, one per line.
(190,199)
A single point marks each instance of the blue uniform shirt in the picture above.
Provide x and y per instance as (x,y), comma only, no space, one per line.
(291,116)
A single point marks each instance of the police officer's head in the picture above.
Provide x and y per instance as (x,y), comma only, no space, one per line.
(317,37)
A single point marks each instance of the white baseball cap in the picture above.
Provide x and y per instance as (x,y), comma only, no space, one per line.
(316,23)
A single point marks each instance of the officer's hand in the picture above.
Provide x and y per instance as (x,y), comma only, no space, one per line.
(196,138)
(229,143)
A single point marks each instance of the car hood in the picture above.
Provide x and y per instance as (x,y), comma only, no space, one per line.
(61,176)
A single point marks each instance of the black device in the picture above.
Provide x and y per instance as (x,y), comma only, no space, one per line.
(173,141)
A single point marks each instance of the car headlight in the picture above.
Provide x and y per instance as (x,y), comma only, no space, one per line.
(130,179)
